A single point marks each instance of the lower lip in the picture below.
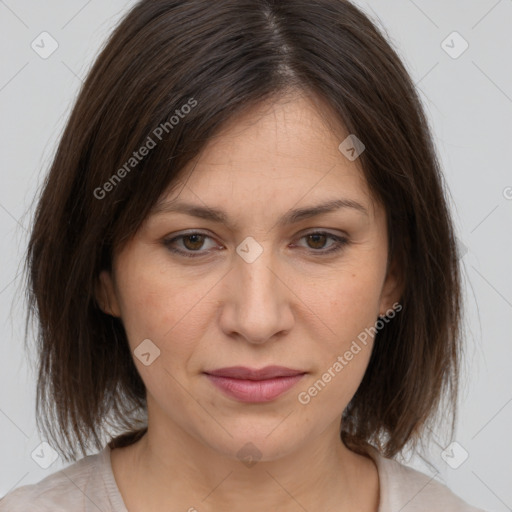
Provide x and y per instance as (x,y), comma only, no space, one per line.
(254,390)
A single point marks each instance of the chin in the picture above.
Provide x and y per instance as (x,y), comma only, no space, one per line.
(255,444)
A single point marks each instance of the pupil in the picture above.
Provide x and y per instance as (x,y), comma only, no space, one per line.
(316,237)
(196,244)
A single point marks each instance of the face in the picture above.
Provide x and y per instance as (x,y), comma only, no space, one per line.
(260,287)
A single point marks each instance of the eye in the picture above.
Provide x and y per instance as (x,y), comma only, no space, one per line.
(317,239)
(192,243)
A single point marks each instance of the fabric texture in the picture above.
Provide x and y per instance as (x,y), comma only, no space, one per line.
(89,485)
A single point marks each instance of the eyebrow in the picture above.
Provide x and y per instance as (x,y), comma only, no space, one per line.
(291,217)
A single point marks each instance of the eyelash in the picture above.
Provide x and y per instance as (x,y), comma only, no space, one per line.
(340,244)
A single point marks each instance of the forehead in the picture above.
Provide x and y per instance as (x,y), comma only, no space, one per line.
(282,152)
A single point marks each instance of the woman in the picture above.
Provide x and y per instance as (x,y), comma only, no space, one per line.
(244,264)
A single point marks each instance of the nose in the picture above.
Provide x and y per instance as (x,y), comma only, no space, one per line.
(256,300)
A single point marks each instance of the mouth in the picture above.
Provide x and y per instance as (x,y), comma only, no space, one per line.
(254,385)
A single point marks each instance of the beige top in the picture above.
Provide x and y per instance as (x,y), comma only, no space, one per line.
(88,485)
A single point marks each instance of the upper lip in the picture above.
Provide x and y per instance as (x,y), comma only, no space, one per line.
(242,372)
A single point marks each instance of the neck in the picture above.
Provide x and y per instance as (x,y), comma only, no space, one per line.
(171,468)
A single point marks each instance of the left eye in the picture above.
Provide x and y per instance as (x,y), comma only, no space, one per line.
(193,242)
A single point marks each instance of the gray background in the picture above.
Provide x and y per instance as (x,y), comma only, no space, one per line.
(469,103)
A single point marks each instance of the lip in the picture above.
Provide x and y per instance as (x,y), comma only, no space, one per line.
(254,385)
(243,372)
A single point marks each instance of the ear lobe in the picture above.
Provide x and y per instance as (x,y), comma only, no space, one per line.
(105,294)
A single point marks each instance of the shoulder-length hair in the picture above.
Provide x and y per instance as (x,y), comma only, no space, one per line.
(173,73)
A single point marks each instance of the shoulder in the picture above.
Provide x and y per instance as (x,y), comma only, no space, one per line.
(70,488)
(408,490)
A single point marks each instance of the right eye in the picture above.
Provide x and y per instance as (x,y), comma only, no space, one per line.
(190,242)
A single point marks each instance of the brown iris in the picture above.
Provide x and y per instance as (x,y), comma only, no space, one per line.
(197,242)
(315,238)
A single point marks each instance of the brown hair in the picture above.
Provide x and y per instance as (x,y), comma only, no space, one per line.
(221,58)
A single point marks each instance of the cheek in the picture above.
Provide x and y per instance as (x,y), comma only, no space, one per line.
(162,306)
(346,301)
(346,309)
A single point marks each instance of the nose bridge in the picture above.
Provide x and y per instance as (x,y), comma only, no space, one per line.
(258,299)
(253,268)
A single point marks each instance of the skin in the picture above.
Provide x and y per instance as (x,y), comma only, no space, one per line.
(291,306)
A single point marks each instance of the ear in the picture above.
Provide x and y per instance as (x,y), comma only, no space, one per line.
(106,295)
(392,288)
